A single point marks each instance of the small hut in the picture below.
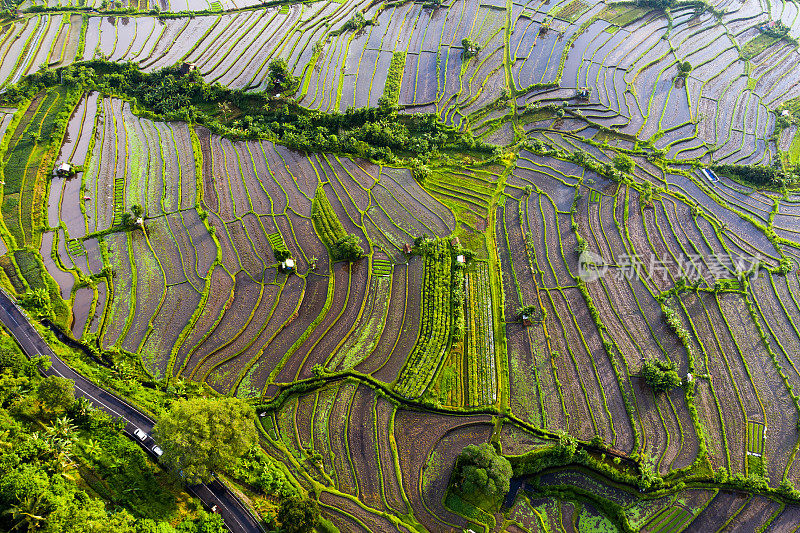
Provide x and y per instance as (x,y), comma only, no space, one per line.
(64,170)
(461,260)
(287,265)
(187,67)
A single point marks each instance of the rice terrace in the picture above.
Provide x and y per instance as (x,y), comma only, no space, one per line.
(401,265)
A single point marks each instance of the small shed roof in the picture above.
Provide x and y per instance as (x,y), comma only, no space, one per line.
(461,259)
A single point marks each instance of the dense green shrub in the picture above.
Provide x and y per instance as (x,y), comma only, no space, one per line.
(381,133)
(280,78)
(260,470)
(37,302)
(298,515)
(661,376)
(348,248)
(481,476)
(757,174)
(623,163)
(471,48)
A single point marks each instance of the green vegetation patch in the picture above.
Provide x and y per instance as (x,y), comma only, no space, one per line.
(435,327)
(330,229)
(381,134)
(669,520)
(755,438)
(279,248)
(29,160)
(622,15)
(381,267)
(327,224)
(572,11)
(68,467)
(394,79)
(757,44)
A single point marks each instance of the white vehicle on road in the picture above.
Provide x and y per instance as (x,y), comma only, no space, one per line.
(158,451)
(141,435)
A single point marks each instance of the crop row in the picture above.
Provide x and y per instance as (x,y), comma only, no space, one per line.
(434,333)
(480,338)
(326,222)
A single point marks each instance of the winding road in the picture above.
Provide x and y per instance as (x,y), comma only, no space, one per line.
(237,518)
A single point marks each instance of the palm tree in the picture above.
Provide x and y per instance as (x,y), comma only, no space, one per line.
(62,463)
(63,428)
(28,513)
(93,449)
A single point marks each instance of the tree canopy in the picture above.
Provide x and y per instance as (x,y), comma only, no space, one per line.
(202,435)
(56,393)
(348,248)
(298,515)
(660,375)
(470,47)
(280,78)
(623,163)
(482,477)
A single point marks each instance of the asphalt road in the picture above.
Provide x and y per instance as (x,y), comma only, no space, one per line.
(236,516)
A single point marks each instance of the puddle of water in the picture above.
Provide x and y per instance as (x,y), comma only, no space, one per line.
(80,310)
(64,279)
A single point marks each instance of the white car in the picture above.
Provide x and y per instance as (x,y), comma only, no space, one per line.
(141,435)
(158,451)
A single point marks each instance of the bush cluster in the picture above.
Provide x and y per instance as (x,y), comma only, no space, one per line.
(661,376)
(381,134)
(759,175)
(482,477)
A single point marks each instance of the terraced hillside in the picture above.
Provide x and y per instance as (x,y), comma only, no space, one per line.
(583,200)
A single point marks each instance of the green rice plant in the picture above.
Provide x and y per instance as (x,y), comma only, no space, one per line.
(435,324)
(279,248)
(755,438)
(571,11)
(75,247)
(394,79)
(669,520)
(329,227)
(757,44)
(480,338)
(381,267)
